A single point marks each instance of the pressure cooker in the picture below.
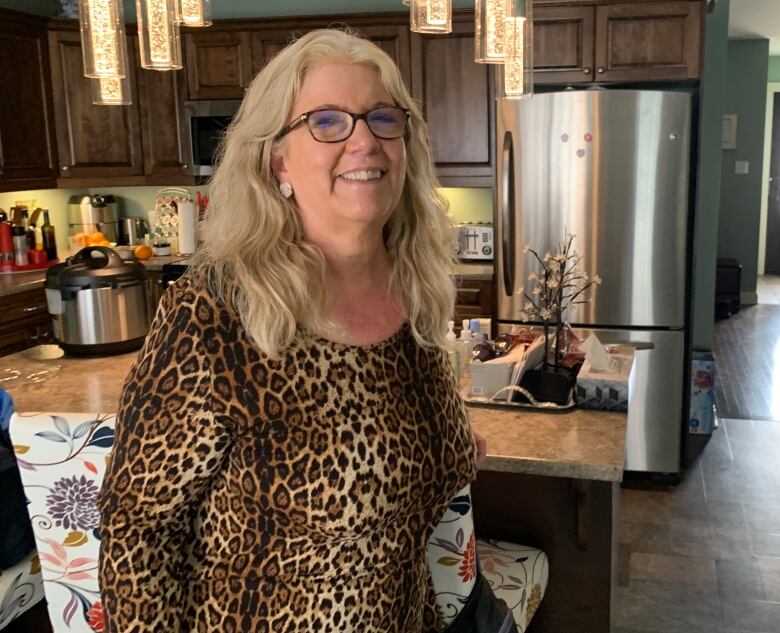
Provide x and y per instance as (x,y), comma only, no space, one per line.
(98,302)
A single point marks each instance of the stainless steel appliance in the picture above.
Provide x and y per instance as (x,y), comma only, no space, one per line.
(474,242)
(206,121)
(90,213)
(611,167)
(131,231)
(98,302)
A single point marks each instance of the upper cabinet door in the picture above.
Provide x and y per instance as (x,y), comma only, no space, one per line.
(27,146)
(267,43)
(394,40)
(563,44)
(457,100)
(218,64)
(161,102)
(648,41)
(93,140)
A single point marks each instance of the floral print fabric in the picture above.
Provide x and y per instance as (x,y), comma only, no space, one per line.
(517,574)
(62,460)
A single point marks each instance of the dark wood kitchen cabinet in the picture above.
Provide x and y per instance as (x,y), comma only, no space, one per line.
(563,44)
(474,297)
(24,321)
(164,135)
(648,41)
(93,141)
(27,145)
(218,63)
(457,99)
(580,42)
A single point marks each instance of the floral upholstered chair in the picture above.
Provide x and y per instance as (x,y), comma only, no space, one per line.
(516,573)
(62,460)
(21,588)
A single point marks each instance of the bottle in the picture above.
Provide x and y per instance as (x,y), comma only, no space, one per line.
(453,350)
(476,334)
(20,246)
(49,239)
(466,345)
(29,235)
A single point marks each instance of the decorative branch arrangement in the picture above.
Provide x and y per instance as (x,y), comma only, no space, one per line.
(559,284)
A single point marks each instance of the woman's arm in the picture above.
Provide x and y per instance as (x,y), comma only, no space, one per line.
(169,444)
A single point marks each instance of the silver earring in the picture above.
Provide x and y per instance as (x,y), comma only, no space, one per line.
(286,189)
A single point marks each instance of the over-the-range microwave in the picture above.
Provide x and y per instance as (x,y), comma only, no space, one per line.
(206,121)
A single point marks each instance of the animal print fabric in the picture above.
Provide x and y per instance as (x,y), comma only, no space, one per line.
(249,494)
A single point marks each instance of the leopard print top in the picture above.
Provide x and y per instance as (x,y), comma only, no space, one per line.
(249,494)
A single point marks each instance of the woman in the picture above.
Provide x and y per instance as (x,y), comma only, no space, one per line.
(291,431)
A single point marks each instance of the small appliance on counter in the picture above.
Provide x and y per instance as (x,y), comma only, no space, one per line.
(90,213)
(131,231)
(474,242)
(98,302)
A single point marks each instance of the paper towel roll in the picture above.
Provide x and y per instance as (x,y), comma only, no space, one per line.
(187,224)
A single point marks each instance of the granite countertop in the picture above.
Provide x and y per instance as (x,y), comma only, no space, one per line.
(19,282)
(579,444)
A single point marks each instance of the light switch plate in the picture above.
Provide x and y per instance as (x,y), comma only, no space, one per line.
(741,167)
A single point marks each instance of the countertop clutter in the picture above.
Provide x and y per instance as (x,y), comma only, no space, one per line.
(19,282)
(578,444)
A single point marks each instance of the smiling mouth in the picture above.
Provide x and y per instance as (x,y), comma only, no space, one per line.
(363,175)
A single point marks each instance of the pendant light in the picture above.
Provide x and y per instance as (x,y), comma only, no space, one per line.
(193,12)
(158,34)
(489,16)
(103,42)
(515,76)
(111,91)
(430,16)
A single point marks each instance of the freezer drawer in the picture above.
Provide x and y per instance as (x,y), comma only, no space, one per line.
(655,407)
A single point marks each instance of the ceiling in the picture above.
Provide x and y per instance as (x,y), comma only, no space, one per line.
(756,18)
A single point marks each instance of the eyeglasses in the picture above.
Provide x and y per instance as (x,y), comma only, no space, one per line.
(332,126)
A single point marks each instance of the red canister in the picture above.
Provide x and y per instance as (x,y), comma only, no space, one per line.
(6,244)
(37,257)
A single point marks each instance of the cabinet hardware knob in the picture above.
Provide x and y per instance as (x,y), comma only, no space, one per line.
(601,70)
(185,166)
(33,308)
(587,71)
(64,168)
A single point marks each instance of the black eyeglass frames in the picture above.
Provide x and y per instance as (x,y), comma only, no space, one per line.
(333,126)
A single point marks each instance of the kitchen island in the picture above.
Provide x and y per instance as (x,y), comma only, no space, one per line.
(549,481)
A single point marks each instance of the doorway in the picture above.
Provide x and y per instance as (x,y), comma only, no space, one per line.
(768,287)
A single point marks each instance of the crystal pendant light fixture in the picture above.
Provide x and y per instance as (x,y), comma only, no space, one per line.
(103,42)
(489,18)
(430,16)
(158,34)
(193,12)
(515,76)
(111,91)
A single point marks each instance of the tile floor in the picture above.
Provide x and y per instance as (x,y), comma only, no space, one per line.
(705,556)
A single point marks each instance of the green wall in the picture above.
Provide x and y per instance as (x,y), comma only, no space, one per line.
(773,74)
(740,195)
(705,238)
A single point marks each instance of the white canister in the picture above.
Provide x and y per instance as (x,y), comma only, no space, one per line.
(188,220)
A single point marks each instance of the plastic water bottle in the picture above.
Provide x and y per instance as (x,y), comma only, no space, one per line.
(453,350)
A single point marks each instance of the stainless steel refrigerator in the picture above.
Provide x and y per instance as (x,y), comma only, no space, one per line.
(611,167)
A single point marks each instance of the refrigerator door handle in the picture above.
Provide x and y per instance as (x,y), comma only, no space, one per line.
(637,345)
(507,214)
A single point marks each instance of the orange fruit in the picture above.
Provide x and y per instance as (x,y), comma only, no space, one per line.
(80,240)
(104,243)
(95,239)
(143,251)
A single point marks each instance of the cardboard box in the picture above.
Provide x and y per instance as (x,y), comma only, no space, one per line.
(606,390)
(488,378)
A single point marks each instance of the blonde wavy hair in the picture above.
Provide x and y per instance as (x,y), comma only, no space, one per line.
(255,254)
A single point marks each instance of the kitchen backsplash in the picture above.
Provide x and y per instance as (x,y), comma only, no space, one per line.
(466,204)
